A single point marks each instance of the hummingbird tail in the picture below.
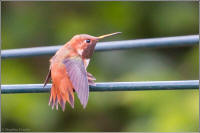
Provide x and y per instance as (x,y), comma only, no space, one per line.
(60,96)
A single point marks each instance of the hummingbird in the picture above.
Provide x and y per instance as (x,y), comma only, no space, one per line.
(68,73)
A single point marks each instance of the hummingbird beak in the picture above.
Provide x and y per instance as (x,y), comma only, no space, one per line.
(107,35)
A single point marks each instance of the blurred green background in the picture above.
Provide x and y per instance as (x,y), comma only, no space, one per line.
(31,24)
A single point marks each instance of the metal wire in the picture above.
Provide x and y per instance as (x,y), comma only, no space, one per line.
(107,46)
(109,86)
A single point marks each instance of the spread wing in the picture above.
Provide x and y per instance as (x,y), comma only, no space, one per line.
(78,76)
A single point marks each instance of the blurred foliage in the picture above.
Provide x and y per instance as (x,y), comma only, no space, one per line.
(31,24)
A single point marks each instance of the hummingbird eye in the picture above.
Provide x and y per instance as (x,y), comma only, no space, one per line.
(87,41)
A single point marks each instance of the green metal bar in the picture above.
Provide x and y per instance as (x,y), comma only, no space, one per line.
(109,86)
(177,41)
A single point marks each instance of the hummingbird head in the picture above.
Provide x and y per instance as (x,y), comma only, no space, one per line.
(84,44)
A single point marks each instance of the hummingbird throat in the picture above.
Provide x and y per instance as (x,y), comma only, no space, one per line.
(88,51)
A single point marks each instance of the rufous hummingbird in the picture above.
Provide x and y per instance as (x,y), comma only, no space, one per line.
(68,70)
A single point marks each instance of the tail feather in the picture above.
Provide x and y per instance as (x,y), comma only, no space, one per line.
(58,97)
(62,90)
(62,103)
(67,91)
(53,97)
(71,98)
(61,95)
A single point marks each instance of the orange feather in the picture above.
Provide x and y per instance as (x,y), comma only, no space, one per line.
(62,89)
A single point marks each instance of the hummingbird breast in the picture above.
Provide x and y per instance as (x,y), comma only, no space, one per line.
(88,51)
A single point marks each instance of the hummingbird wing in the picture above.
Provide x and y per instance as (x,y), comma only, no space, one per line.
(47,78)
(49,73)
(78,76)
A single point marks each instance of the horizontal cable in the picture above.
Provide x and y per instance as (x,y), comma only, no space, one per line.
(188,40)
(109,86)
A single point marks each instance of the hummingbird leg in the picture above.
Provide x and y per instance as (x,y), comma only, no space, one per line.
(91,79)
(90,76)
